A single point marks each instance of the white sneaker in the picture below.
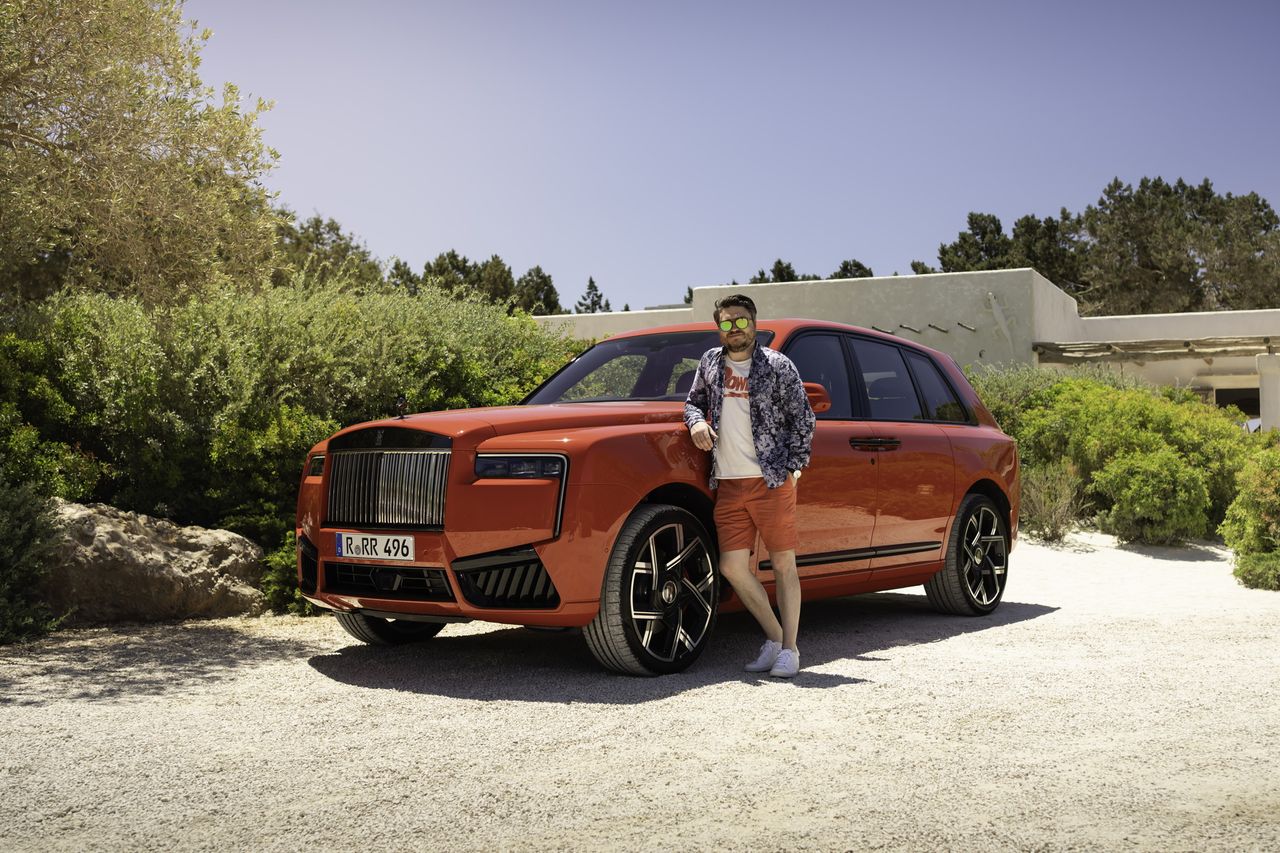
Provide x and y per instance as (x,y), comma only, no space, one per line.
(787,665)
(768,657)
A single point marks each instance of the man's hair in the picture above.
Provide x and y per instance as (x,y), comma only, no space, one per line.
(737,300)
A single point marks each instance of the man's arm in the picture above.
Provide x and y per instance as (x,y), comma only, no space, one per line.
(695,405)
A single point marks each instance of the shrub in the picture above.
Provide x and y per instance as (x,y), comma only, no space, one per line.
(1092,424)
(202,412)
(1051,499)
(1260,571)
(280,580)
(31,453)
(1252,523)
(26,519)
(1153,496)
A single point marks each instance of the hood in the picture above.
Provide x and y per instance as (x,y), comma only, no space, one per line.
(476,425)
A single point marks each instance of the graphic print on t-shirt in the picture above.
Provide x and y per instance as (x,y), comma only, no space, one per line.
(735,385)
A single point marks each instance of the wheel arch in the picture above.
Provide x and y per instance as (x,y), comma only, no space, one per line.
(690,499)
(991,489)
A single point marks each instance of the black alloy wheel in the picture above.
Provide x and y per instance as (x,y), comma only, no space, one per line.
(658,601)
(972,581)
(377,631)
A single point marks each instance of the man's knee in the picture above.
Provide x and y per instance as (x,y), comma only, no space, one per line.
(784,564)
(735,564)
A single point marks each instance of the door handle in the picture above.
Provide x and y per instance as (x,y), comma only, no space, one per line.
(873,443)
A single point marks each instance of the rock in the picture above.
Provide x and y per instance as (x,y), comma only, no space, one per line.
(110,565)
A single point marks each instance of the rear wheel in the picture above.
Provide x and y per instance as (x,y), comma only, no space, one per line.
(972,581)
(377,631)
(659,596)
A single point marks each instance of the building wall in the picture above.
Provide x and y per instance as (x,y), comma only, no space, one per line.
(1008,310)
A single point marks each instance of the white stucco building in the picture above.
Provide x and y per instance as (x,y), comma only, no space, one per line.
(1014,316)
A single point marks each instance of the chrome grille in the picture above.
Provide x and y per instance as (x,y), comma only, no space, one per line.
(394,488)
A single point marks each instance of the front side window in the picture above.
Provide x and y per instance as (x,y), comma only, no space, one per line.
(890,394)
(941,404)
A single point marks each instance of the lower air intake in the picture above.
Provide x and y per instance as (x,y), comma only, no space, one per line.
(308,565)
(515,580)
(406,583)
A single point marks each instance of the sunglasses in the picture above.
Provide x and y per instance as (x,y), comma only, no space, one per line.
(741,323)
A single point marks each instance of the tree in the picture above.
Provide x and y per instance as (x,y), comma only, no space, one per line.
(780,272)
(319,250)
(983,246)
(493,280)
(536,293)
(591,302)
(1049,247)
(449,271)
(401,275)
(852,269)
(688,295)
(1176,247)
(117,170)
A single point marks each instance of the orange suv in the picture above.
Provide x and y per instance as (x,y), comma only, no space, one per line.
(587,504)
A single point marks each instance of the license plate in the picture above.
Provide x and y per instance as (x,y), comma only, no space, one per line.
(371,546)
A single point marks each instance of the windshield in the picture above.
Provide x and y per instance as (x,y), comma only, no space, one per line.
(645,367)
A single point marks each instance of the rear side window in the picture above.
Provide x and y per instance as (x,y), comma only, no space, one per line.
(820,358)
(890,394)
(940,403)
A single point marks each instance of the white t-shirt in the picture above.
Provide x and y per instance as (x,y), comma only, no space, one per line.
(735,449)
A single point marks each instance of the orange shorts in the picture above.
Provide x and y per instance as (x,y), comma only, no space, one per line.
(746,506)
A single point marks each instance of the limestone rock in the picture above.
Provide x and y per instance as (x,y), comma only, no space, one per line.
(111,565)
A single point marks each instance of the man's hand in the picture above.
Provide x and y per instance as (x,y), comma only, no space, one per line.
(703,435)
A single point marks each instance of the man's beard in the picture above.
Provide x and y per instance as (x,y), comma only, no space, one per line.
(741,345)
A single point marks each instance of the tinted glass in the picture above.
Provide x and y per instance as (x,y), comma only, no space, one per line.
(940,403)
(890,394)
(644,367)
(820,359)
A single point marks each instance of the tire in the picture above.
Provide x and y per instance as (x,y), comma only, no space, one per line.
(377,631)
(660,594)
(972,581)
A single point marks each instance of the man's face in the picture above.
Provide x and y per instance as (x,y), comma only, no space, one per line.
(737,340)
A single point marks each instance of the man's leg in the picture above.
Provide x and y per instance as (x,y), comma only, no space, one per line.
(735,568)
(787,581)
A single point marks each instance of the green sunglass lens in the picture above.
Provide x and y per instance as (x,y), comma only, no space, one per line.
(741,323)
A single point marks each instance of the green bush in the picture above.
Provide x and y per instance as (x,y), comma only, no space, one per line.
(26,520)
(1152,496)
(280,580)
(1260,571)
(1051,499)
(1092,424)
(1252,525)
(38,454)
(202,412)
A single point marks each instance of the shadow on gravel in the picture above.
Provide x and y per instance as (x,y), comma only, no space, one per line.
(130,661)
(536,666)
(1195,552)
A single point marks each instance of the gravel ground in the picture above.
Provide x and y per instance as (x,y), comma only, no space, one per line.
(1119,698)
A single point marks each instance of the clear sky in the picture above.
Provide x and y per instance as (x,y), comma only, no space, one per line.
(660,144)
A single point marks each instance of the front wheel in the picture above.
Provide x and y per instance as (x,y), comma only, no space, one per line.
(386,632)
(971,583)
(659,595)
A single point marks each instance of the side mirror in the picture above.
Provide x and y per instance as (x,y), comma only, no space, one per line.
(819,399)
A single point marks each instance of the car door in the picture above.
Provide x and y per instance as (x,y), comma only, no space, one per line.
(917,472)
(836,496)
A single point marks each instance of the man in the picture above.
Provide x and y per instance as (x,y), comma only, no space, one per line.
(748,406)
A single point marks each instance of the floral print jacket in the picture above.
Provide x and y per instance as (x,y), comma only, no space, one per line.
(781,418)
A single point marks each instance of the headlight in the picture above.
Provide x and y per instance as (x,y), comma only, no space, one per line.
(316,468)
(520,467)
